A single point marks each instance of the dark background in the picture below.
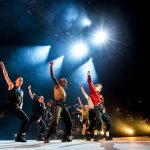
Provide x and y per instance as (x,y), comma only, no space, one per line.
(123,69)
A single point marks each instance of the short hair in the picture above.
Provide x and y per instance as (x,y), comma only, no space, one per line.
(98,84)
(18,77)
(63,79)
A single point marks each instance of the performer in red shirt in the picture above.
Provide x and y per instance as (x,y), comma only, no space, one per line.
(99,109)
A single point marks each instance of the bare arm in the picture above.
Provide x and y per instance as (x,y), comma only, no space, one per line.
(83,92)
(81,105)
(89,101)
(52,75)
(8,81)
(30,92)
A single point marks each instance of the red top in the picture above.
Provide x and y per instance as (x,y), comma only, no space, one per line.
(95,95)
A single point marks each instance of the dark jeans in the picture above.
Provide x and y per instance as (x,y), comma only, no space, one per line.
(93,119)
(98,114)
(34,118)
(107,120)
(60,111)
(19,113)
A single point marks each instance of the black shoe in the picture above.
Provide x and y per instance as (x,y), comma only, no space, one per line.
(88,137)
(20,139)
(83,137)
(66,139)
(96,138)
(108,138)
(46,140)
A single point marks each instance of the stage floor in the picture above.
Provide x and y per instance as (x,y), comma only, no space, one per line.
(126,143)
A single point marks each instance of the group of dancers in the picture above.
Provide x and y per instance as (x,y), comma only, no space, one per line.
(93,114)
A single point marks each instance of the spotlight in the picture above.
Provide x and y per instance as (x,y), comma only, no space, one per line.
(86,22)
(129,131)
(79,49)
(100,37)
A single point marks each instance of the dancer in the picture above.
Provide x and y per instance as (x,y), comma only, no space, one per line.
(38,109)
(99,109)
(14,102)
(85,117)
(92,119)
(59,109)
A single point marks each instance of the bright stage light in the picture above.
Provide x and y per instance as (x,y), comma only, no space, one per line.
(86,22)
(129,131)
(100,37)
(79,49)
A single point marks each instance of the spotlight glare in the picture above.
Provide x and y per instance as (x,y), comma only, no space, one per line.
(100,37)
(86,22)
(79,49)
(129,131)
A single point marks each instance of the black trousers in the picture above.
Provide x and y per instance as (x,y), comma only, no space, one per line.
(33,119)
(60,111)
(19,113)
(107,120)
(98,115)
(94,122)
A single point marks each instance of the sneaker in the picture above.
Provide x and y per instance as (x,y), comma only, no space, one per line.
(20,139)
(108,138)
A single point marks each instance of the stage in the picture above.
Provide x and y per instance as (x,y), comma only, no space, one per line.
(126,143)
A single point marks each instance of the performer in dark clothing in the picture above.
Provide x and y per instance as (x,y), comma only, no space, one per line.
(14,102)
(59,109)
(38,109)
(47,117)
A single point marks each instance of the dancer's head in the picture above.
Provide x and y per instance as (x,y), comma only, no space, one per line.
(63,82)
(98,87)
(48,103)
(41,99)
(18,81)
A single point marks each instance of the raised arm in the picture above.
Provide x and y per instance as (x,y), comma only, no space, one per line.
(90,84)
(8,81)
(81,105)
(83,92)
(30,92)
(52,74)
(89,101)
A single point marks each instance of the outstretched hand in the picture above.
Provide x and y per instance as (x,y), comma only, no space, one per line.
(88,73)
(1,64)
(51,63)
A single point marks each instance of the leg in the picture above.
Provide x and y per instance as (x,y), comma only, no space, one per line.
(42,127)
(32,119)
(54,122)
(68,124)
(107,120)
(98,124)
(22,116)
